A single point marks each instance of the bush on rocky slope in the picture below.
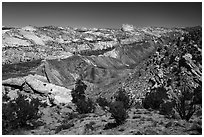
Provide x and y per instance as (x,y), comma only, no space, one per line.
(122,95)
(83,104)
(118,106)
(185,105)
(103,103)
(118,112)
(155,98)
(22,112)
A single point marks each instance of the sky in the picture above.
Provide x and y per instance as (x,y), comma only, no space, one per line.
(102,15)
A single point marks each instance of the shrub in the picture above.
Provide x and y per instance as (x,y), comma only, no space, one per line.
(155,98)
(78,93)
(185,100)
(166,108)
(119,107)
(197,99)
(185,108)
(182,100)
(118,112)
(122,95)
(84,105)
(19,113)
(103,103)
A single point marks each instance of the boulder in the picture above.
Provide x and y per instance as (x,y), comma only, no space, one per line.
(32,84)
(61,94)
(187,56)
(13,94)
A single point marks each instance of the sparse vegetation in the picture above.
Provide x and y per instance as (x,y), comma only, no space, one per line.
(79,92)
(103,103)
(122,95)
(155,98)
(84,105)
(22,112)
(118,112)
(118,106)
(185,105)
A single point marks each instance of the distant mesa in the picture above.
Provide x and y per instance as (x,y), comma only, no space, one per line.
(127,27)
(32,43)
(29,28)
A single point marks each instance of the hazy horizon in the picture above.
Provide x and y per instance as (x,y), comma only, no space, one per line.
(102,14)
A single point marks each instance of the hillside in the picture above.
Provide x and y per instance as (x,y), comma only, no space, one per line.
(46,63)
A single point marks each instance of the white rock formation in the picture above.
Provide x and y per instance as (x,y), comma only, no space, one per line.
(60,94)
(127,27)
